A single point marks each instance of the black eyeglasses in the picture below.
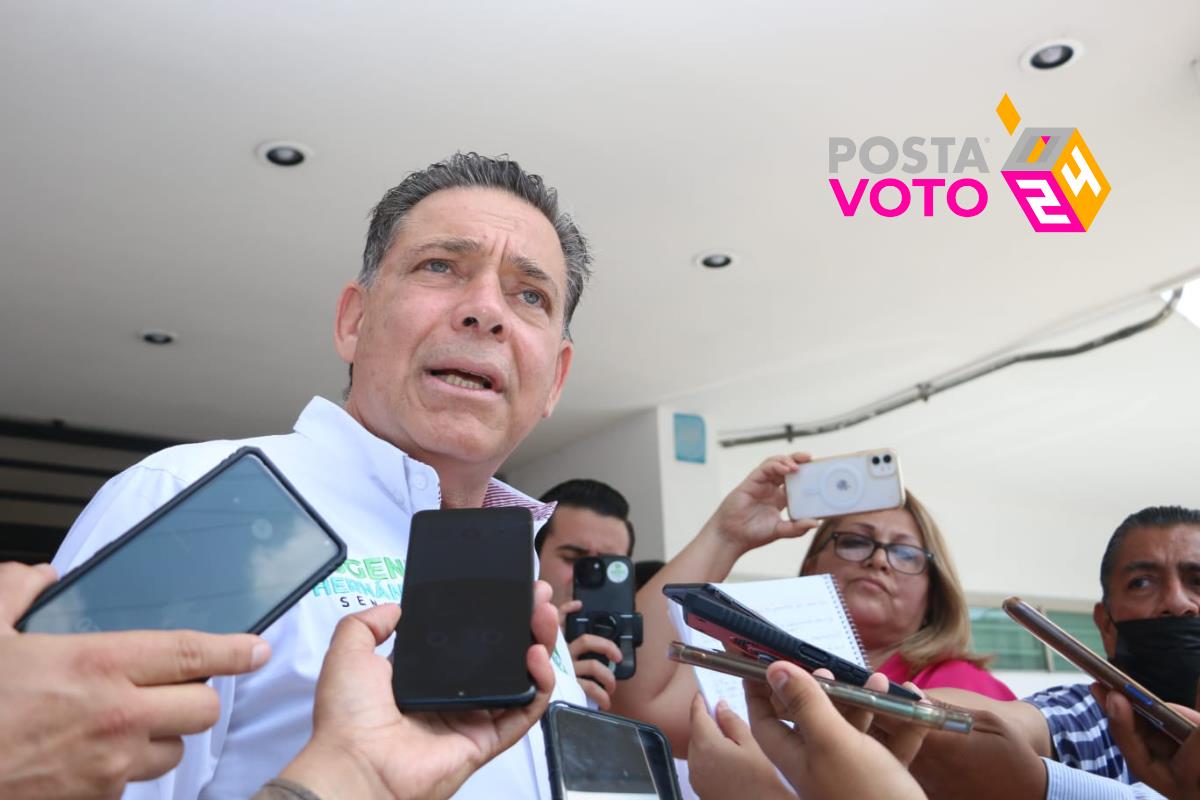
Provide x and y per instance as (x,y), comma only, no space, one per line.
(906,558)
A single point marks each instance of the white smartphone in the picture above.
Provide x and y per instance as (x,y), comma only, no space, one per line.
(848,484)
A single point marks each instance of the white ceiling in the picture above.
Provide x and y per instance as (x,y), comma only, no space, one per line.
(132,198)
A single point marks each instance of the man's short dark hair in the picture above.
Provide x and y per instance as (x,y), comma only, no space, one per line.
(592,495)
(1152,517)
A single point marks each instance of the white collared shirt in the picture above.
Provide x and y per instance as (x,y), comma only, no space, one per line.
(367,490)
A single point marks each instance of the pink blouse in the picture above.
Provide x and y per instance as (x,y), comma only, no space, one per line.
(954,673)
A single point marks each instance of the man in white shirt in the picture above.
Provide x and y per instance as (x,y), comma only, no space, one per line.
(456,332)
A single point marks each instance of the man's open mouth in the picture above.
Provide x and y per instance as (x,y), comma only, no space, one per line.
(462,378)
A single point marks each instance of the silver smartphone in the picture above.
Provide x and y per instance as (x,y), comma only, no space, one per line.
(921,713)
(848,484)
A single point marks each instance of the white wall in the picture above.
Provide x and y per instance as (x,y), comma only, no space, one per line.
(690,492)
(1026,682)
(624,455)
(669,500)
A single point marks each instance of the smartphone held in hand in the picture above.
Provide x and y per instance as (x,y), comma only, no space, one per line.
(605,586)
(464,632)
(228,554)
(849,484)
(1143,701)
(930,715)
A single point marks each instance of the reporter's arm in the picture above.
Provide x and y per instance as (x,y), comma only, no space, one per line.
(747,518)
(1167,766)
(363,747)
(724,760)
(1019,714)
(823,756)
(84,714)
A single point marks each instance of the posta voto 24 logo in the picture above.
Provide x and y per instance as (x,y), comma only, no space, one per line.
(1050,171)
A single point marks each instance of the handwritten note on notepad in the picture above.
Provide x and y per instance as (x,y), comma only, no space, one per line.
(809,608)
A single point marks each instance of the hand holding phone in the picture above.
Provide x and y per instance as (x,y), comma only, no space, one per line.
(849,484)
(852,763)
(1144,702)
(1172,769)
(68,689)
(604,585)
(228,554)
(363,746)
(917,712)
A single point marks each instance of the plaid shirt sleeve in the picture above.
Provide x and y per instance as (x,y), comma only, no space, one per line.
(1079,732)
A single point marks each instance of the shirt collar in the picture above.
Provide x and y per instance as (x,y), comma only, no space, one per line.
(329,424)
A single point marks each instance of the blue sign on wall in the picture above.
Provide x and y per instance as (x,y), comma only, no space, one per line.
(689,438)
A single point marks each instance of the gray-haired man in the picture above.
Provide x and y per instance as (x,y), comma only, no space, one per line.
(456,333)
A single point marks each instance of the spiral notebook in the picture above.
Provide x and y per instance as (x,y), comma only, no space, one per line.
(809,608)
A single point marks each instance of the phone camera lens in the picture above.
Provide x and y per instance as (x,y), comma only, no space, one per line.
(887,459)
(875,460)
(589,572)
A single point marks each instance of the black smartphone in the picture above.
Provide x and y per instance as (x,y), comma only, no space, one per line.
(468,597)
(757,638)
(228,554)
(605,586)
(592,754)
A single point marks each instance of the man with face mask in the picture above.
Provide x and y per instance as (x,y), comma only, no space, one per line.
(1150,579)
(1150,614)
(1149,620)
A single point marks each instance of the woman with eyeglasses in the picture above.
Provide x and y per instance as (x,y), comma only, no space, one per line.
(903,594)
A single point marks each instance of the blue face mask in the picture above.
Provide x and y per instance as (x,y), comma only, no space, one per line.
(1162,654)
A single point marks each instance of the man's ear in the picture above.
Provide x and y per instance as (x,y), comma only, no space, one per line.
(350,309)
(561,367)
(1108,629)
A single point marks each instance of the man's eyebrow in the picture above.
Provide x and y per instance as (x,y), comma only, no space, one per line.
(451,244)
(530,269)
(574,548)
(1138,566)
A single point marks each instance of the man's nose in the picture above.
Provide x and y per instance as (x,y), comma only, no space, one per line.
(1179,600)
(482,306)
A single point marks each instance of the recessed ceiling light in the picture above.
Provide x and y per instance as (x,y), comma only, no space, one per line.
(714,260)
(283,154)
(1051,55)
(155,336)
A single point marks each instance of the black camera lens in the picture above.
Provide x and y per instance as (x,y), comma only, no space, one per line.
(875,460)
(887,459)
(589,572)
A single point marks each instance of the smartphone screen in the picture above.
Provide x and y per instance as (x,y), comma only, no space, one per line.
(227,555)
(605,757)
(468,597)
